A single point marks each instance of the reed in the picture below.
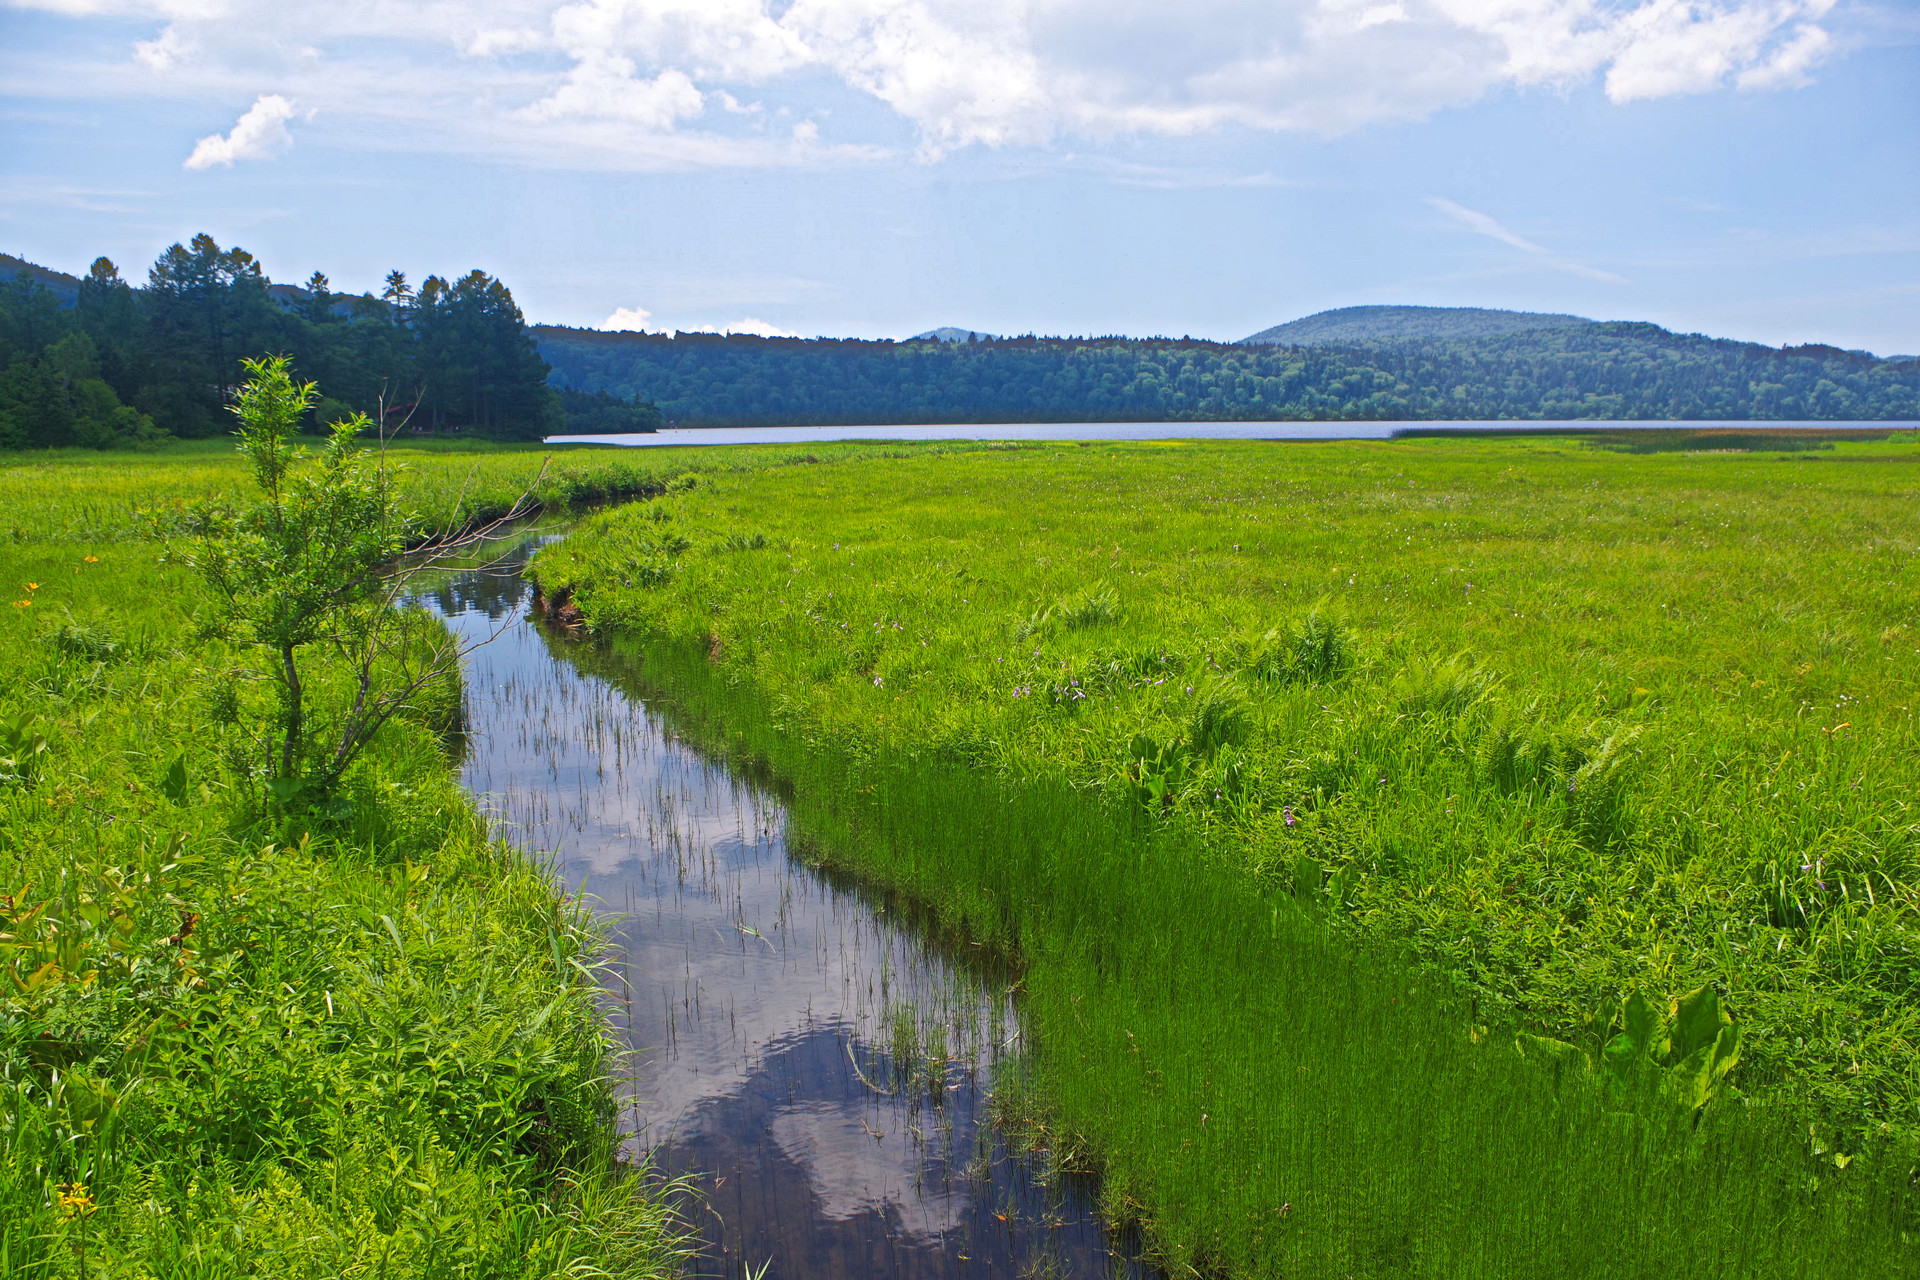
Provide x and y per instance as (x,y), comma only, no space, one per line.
(1379,763)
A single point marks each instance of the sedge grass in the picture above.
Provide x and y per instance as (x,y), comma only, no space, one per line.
(360,1044)
(1604,724)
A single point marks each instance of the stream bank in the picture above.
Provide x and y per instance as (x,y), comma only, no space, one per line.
(816,1061)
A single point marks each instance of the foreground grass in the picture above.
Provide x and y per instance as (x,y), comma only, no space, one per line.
(359,1044)
(1303,778)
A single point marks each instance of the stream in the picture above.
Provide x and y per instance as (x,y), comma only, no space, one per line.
(818,1067)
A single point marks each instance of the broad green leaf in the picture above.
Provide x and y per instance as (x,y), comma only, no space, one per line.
(1697,1019)
(1306,879)
(1622,1052)
(173,783)
(1643,1022)
(1726,1052)
(1690,1081)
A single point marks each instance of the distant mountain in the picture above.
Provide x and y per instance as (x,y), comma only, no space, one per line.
(1392,324)
(947,333)
(63,286)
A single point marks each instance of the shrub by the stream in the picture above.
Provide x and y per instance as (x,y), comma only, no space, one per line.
(355,1037)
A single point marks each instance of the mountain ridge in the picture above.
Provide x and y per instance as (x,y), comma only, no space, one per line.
(1394,323)
(59,283)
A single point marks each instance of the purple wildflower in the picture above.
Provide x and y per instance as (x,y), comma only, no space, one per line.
(1291,820)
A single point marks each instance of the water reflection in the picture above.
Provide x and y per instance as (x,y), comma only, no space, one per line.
(822,1068)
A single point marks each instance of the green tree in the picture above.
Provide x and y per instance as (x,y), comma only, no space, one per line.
(205,306)
(307,563)
(480,367)
(316,559)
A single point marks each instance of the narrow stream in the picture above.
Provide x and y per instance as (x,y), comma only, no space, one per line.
(820,1068)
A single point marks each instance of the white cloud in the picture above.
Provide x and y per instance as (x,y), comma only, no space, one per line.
(603,87)
(626,81)
(627,320)
(1484,224)
(640,320)
(1690,46)
(257,135)
(162,52)
(1788,67)
(759,328)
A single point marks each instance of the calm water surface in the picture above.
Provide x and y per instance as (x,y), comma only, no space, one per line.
(822,1069)
(1143,431)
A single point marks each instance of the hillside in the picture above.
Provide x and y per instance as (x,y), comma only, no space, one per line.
(63,286)
(948,333)
(1347,325)
(1596,371)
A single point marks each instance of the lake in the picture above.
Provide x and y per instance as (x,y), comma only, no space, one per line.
(1157,431)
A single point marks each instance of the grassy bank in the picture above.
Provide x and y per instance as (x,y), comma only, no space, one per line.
(358,1043)
(1306,779)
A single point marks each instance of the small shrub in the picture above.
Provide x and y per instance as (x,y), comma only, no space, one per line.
(1076,613)
(1514,753)
(1218,719)
(89,644)
(1157,769)
(1440,689)
(1597,787)
(1090,609)
(1315,650)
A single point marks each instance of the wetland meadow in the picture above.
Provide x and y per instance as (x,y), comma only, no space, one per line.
(1432,857)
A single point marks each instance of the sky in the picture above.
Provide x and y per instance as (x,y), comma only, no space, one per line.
(876,168)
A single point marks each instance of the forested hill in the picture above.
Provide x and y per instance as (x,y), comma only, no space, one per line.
(1588,370)
(64,288)
(98,361)
(1394,324)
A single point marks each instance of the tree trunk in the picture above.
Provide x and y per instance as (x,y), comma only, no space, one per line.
(290,674)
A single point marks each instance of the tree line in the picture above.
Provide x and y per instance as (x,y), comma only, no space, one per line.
(98,362)
(1591,371)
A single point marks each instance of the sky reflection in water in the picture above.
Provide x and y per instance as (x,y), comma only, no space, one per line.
(762,1001)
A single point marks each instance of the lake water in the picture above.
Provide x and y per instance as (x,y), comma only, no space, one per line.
(821,1069)
(1146,431)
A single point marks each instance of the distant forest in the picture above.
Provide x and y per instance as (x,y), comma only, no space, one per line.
(97,362)
(1601,371)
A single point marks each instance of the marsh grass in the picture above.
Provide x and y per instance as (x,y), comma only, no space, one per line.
(1328,995)
(363,1041)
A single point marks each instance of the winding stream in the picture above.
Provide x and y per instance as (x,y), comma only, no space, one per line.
(819,1067)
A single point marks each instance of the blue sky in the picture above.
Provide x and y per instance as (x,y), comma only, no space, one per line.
(1749,168)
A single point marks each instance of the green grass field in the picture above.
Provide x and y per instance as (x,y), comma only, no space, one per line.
(359,1045)
(1310,783)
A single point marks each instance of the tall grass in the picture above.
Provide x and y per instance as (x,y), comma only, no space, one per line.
(1383,760)
(363,1041)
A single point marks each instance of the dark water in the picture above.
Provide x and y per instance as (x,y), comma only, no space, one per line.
(1162,431)
(812,1058)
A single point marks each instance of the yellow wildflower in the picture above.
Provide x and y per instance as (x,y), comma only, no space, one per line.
(75,1200)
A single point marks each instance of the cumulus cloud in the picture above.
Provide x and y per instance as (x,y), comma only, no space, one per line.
(640,320)
(589,76)
(627,320)
(603,87)
(260,134)
(758,328)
